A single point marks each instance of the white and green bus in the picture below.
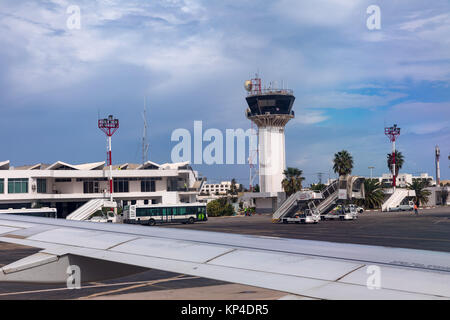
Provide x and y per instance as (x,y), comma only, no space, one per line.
(160,213)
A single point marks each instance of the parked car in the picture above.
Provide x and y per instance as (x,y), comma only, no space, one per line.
(403,207)
(357,209)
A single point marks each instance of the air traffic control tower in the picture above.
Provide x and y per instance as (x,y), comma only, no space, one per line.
(270,109)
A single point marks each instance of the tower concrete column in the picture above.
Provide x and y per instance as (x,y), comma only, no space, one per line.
(272,158)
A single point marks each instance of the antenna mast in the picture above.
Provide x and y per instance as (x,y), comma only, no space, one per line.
(144,136)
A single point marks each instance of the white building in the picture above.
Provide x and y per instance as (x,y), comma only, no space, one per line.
(403,179)
(66,186)
(217,188)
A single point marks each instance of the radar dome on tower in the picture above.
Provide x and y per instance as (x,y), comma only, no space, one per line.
(248,85)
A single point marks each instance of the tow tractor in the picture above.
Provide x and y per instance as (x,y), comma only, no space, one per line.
(307,216)
(341,212)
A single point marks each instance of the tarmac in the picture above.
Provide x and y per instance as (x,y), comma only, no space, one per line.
(430,230)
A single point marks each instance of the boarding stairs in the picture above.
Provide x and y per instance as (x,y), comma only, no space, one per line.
(329,198)
(397,198)
(289,207)
(89,208)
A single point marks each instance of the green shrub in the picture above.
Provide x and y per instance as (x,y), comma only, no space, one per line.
(219,208)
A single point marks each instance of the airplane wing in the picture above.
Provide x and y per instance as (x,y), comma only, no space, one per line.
(309,269)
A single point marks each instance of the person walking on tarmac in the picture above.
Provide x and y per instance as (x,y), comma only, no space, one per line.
(416,209)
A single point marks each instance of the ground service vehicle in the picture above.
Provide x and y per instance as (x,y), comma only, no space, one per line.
(153,214)
(308,216)
(341,212)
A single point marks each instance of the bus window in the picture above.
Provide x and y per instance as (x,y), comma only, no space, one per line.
(191,210)
(182,211)
(140,212)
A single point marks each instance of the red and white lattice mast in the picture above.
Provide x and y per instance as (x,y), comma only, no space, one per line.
(393,133)
(109,126)
(253,86)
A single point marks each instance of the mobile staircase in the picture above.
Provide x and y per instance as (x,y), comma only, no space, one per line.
(397,198)
(89,208)
(330,196)
(346,188)
(292,204)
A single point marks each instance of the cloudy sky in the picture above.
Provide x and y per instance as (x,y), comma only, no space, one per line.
(189,59)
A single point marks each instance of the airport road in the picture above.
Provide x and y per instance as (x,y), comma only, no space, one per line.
(429,231)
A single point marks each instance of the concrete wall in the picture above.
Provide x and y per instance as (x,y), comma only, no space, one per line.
(436,197)
(264,205)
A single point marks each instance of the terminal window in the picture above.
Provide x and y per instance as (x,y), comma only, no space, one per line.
(17,185)
(2,185)
(41,185)
(90,187)
(148,186)
(120,185)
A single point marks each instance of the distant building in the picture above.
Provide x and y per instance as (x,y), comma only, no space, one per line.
(67,187)
(221,188)
(403,179)
(445,182)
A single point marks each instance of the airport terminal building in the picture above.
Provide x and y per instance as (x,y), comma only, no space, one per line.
(67,187)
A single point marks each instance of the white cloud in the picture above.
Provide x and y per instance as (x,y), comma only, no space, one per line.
(305,117)
(318,12)
(422,117)
(344,100)
(434,21)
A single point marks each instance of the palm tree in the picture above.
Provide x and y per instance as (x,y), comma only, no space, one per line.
(399,160)
(318,187)
(233,187)
(343,163)
(293,181)
(419,185)
(374,195)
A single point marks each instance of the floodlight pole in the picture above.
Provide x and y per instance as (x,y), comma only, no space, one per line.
(393,133)
(109,126)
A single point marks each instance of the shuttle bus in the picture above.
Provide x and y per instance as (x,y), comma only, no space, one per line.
(38,212)
(153,214)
